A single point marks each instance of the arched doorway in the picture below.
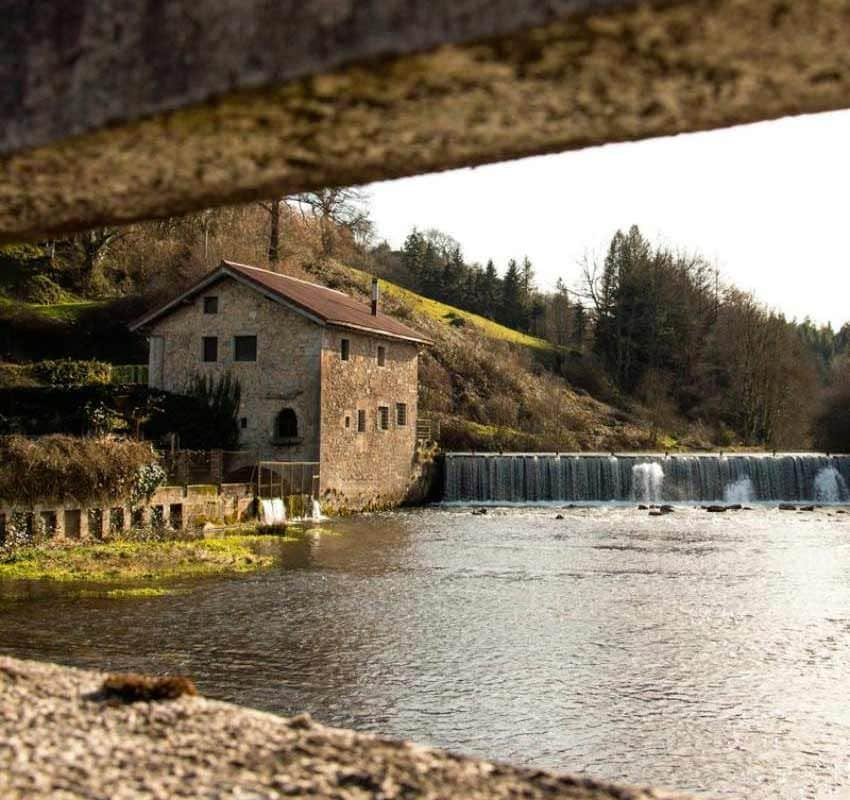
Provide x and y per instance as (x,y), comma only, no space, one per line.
(286,424)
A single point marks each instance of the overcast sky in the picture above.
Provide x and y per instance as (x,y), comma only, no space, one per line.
(768,203)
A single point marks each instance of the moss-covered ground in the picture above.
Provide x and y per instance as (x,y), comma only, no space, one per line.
(448,315)
(122,561)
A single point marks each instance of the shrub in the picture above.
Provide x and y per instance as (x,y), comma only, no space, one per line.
(65,372)
(222,397)
(41,290)
(15,375)
(85,469)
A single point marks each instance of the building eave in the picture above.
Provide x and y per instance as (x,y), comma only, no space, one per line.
(213,277)
(379,333)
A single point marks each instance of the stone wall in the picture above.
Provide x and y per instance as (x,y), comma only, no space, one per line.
(175,507)
(285,374)
(371,468)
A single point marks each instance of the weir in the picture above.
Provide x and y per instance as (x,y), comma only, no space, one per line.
(648,478)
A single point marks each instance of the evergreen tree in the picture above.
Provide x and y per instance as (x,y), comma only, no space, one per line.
(511,310)
(579,325)
(490,291)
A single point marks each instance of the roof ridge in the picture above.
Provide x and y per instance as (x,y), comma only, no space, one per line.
(288,277)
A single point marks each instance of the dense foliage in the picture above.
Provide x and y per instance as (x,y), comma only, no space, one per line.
(100,409)
(675,355)
(87,469)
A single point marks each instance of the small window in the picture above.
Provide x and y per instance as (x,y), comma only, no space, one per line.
(286,424)
(384,417)
(344,349)
(243,422)
(347,421)
(401,413)
(210,348)
(210,305)
(382,355)
(361,421)
(244,348)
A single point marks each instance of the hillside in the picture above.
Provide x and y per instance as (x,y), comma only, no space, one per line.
(494,388)
(490,387)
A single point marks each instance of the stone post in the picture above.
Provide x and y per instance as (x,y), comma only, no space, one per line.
(143,514)
(84,523)
(217,467)
(59,530)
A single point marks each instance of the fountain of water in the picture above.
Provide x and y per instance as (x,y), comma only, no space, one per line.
(274,511)
(739,492)
(317,511)
(830,486)
(647,481)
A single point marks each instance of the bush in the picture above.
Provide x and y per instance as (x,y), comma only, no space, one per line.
(40,290)
(94,408)
(97,330)
(66,372)
(85,469)
(16,375)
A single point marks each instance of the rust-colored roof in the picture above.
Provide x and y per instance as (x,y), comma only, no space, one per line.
(324,305)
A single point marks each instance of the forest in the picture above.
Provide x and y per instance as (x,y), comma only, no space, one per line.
(645,338)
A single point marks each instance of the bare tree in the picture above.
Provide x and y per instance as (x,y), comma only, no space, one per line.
(341,207)
(273,209)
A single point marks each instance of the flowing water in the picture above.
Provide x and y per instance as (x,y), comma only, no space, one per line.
(704,652)
(540,477)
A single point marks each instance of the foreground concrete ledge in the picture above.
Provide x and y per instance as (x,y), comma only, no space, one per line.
(117,110)
(57,740)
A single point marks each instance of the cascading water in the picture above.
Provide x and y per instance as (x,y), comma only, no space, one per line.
(316,511)
(830,486)
(647,482)
(740,492)
(532,478)
(274,511)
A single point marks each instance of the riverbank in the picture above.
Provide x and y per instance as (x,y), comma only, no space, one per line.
(60,734)
(133,560)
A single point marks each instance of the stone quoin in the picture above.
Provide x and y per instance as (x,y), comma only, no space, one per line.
(323,377)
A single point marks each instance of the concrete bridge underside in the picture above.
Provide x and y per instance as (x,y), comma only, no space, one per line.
(118,110)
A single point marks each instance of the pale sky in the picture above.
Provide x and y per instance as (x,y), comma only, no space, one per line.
(767,203)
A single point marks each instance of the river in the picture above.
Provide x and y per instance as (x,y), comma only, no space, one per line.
(702,652)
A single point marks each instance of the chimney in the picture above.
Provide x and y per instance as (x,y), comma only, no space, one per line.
(375,296)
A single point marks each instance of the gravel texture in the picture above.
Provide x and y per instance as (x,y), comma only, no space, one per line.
(60,738)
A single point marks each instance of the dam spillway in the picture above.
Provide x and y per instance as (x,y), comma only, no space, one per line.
(695,478)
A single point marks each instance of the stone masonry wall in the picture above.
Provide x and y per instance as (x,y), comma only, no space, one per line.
(285,374)
(372,468)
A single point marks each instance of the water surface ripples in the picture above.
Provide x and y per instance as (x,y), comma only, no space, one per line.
(707,653)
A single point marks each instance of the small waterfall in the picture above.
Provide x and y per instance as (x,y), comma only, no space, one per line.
(695,478)
(317,511)
(739,492)
(274,511)
(647,482)
(830,486)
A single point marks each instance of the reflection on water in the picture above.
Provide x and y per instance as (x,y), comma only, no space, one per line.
(704,652)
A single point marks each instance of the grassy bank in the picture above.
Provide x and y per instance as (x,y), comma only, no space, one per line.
(118,561)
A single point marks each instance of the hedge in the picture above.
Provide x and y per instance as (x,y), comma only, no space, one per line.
(85,469)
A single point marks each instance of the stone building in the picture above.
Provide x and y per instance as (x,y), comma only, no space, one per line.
(324,378)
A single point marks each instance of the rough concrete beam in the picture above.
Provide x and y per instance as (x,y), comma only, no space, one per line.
(121,110)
